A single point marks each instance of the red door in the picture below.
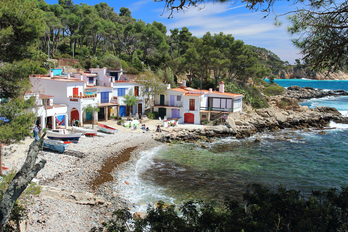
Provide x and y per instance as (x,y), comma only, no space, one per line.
(75,91)
(192,104)
(74,115)
(189,118)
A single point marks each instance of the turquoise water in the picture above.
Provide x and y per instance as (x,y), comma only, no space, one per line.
(327,84)
(304,160)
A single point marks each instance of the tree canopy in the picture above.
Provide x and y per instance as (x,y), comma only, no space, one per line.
(320,26)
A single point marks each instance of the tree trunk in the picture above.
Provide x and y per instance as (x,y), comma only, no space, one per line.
(20,182)
(1,159)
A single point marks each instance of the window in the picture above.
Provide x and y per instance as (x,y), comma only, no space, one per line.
(121,91)
(192,104)
(178,97)
(216,102)
(136,91)
(104,97)
(237,103)
(90,80)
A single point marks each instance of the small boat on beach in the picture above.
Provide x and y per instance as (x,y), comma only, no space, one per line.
(87,132)
(55,145)
(107,129)
(61,134)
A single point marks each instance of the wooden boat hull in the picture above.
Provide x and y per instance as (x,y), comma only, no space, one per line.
(107,129)
(54,145)
(63,137)
(87,132)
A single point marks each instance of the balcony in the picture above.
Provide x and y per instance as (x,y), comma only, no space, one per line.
(168,104)
(83,96)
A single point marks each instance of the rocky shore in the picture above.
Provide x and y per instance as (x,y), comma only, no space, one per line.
(309,92)
(80,187)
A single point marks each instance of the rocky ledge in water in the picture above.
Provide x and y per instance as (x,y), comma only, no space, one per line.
(283,113)
(309,92)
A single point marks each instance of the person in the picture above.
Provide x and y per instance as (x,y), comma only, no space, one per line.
(76,122)
(143,127)
(40,130)
(139,115)
(147,129)
(134,127)
(36,132)
(158,129)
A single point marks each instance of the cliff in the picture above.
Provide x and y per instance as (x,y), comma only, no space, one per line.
(299,73)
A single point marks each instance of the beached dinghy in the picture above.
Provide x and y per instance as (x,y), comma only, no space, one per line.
(107,129)
(61,134)
(55,145)
(87,132)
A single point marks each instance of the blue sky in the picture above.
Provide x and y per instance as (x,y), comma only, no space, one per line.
(231,18)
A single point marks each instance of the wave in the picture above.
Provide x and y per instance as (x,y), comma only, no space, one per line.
(338,125)
(138,191)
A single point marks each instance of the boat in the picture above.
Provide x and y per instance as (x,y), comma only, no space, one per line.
(61,134)
(107,129)
(55,145)
(87,132)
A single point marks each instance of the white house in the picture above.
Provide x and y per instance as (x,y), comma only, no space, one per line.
(120,87)
(48,113)
(193,106)
(66,90)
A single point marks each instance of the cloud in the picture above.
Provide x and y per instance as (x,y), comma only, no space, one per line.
(138,5)
(238,21)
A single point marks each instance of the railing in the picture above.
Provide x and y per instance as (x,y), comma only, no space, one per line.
(216,109)
(83,96)
(167,103)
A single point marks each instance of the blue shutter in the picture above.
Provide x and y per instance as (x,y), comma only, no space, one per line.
(104,97)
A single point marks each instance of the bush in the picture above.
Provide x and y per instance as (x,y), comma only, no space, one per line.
(66,56)
(274,90)
(120,122)
(263,209)
(124,64)
(131,70)
(111,61)
(152,115)
(42,71)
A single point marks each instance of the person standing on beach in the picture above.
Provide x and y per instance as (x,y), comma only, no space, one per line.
(40,130)
(36,133)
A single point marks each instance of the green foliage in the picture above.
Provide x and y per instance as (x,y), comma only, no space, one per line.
(112,62)
(131,70)
(42,71)
(129,99)
(264,209)
(274,90)
(166,76)
(152,115)
(251,94)
(21,23)
(124,64)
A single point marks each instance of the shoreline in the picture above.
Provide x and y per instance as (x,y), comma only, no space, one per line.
(68,203)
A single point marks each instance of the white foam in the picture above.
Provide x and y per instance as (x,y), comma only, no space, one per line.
(344,112)
(141,192)
(338,125)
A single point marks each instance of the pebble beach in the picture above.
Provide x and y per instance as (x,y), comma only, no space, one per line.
(74,196)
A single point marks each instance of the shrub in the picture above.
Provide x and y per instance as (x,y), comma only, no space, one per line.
(120,122)
(43,70)
(124,64)
(152,115)
(131,70)
(111,61)
(274,90)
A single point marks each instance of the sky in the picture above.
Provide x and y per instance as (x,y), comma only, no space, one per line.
(230,18)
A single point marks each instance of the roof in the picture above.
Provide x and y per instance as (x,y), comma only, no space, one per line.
(57,78)
(187,90)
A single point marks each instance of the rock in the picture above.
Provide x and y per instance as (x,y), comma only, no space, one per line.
(139,215)
(257,140)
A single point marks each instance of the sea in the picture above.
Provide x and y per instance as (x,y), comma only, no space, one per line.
(305,160)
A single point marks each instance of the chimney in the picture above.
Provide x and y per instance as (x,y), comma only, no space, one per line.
(210,90)
(183,83)
(222,87)
(168,86)
(68,76)
(51,74)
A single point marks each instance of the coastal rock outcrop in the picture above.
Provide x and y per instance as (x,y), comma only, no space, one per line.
(308,92)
